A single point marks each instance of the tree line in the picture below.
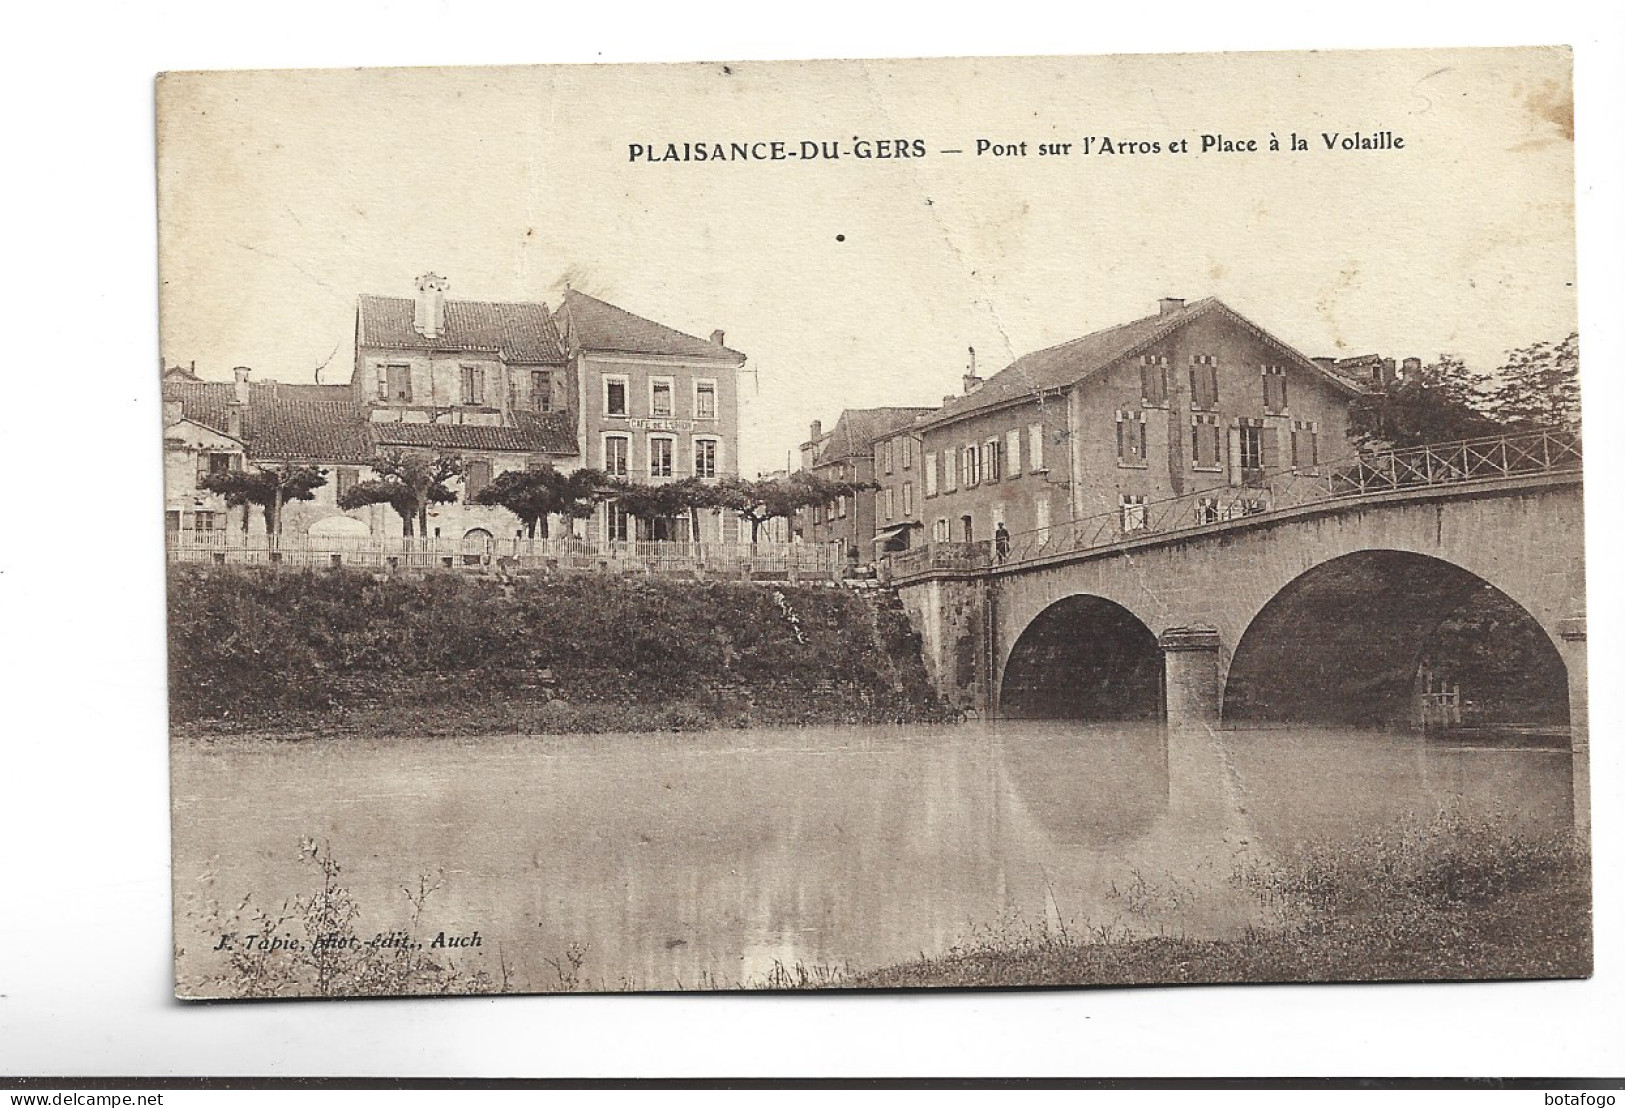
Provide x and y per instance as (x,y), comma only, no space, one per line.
(410,481)
(1445,401)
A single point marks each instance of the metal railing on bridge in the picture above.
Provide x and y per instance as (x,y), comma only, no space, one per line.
(508,556)
(1365,473)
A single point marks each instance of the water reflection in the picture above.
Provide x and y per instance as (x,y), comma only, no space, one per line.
(681,861)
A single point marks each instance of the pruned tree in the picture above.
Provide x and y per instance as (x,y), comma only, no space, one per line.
(760,501)
(535,494)
(686,497)
(408,481)
(1538,386)
(269,486)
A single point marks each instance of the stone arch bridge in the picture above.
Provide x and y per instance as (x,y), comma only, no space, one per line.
(1318,610)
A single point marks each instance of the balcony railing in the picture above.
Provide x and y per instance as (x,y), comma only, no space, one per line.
(1366,473)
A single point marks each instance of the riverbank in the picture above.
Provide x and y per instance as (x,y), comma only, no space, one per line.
(340,652)
(1451,901)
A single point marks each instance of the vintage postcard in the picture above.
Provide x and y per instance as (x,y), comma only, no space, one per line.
(853,524)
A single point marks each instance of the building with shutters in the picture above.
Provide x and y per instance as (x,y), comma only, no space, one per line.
(1194,397)
(501,385)
(657,405)
(847,452)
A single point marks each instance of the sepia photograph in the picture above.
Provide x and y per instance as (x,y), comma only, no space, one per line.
(861,525)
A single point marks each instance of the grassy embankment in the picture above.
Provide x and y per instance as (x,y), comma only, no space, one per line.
(1448,901)
(338,652)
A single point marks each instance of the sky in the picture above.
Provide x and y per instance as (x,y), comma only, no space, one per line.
(864,282)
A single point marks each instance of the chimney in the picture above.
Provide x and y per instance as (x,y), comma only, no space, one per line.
(816,430)
(429,319)
(239,392)
(1410,366)
(970,381)
(716,338)
(1168,305)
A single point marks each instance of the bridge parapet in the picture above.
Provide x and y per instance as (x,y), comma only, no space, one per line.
(1365,474)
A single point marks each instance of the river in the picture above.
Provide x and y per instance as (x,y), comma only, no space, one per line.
(695,860)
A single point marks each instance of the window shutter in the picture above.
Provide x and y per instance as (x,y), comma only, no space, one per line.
(1235,453)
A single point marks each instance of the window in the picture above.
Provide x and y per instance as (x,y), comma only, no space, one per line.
(840,507)
(1207,510)
(475,477)
(1204,382)
(908,498)
(615,523)
(220,463)
(1012,453)
(1274,378)
(1205,442)
(660,397)
(908,452)
(950,470)
(660,453)
(886,504)
(705,457)
(971,458)
(1035,447)
(473,385)
(1305,444)
(202,522)
(614,396)
(1131,508)
(930,463)
(348,478)
(990,463)
(541,390)
(1154,381)
(617,455)
(967,529)
(1131,438)
(395,384)
(1041,517)
(1251,446)
(885,457)
(939,530)
(705,400)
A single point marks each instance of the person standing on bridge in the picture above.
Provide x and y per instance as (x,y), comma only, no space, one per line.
(1001,541)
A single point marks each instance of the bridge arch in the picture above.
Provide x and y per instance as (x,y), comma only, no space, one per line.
(1347,641)
(1083,657)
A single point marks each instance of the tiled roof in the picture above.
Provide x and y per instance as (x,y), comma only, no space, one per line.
(519,332)
(1078,359)
(318,423)
(533,432)
(596,325)
(321,423)
(857,429)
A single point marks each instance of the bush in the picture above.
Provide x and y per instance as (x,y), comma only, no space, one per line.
(260,648)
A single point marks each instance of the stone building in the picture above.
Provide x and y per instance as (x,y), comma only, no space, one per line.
(657,405)
(501,385)
(1192,398)
(847,453)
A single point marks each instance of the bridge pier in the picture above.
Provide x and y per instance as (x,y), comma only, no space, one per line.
(1571,645)
(1190,657)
